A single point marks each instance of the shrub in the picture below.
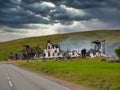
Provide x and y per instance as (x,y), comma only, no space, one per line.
(117,51)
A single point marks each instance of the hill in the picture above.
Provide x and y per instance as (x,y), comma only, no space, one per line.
(69,41)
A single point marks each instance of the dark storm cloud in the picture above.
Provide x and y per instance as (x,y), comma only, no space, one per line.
(19,13)
(14,15)
(85,4)
(11,30)
(38,8)
(30,1)
(81,4)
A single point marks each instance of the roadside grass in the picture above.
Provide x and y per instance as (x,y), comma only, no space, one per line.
(3,62)
(89,73)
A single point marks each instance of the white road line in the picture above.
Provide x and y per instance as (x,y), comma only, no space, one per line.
(6,74)
(61,86)
(64,87)
(10,83)
(8,78)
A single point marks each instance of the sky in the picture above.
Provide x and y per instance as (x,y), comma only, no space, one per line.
(28,18)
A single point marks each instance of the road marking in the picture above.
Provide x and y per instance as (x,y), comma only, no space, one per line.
(7,76)
(61,86)
(64,87)
(10,83)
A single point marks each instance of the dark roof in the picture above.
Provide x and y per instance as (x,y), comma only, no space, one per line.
(56,45)
(98,41)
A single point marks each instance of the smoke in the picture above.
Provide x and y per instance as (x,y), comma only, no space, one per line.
(75,44)
(110,50)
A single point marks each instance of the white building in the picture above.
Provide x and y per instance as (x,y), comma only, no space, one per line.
(52,51)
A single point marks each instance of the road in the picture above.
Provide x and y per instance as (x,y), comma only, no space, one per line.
(14,78)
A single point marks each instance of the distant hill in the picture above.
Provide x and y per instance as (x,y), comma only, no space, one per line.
(69,41)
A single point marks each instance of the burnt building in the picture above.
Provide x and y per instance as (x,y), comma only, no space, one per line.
(52,51)
(97,48)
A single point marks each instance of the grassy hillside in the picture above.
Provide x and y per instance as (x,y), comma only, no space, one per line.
(90,73)
(15,46)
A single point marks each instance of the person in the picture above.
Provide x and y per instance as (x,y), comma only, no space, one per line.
(83,52)
(16,56)
(10,58)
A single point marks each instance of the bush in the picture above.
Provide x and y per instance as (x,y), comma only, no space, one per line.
(117,51)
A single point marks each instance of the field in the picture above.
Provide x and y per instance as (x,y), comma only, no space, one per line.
(15,46)
(87,72)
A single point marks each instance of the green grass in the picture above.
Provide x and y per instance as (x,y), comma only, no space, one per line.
(15,46)
(89,73)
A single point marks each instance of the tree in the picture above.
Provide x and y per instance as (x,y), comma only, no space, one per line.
(117,51)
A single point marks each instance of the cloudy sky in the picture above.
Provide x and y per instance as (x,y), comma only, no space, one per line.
(27,18)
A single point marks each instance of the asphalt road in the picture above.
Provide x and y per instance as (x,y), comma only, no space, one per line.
(14,78)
